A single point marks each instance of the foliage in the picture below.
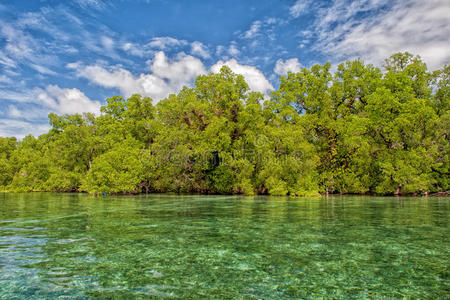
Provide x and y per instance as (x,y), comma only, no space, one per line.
(359,130)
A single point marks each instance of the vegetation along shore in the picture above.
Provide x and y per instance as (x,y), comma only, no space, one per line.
(358,129)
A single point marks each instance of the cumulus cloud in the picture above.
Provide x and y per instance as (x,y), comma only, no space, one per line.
(289,65)
(197,48)
(166,76)
(29,108)
(420,27)
(254,77)
(178,72)
(66,101)
(110,78)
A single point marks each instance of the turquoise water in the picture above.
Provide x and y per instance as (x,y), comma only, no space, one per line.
(76,246)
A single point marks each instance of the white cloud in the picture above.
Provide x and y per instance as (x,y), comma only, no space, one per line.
(136,49)
(88,4)
(262,29)
(166,42)
(108,48)
(22,44)
(26,112)
(31,106)
(42,69)
(253,31)
(178,72)
(107,43)
(416,26)
(254,77)
(197,48)
(21,47)
(25,95)
(5,79)
(110,78)
(299,8)
(6,61)
(271,21)
(66,101)
(220,50)
(233,50)
(14,112)
(166,76)
(18,46)
(20,129)
(41,21)
(289,65)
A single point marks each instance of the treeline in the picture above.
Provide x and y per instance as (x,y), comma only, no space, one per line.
(359,130)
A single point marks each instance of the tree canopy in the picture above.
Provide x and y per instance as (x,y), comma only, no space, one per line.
(357,130)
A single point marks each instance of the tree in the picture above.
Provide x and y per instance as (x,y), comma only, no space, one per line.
(119,170)
(359,130)
(7,146)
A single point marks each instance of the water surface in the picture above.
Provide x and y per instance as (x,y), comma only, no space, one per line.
(77,246)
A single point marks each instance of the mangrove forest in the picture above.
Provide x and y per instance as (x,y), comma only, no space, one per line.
(352,128)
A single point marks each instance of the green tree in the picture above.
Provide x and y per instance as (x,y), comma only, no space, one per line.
(7,146)
(359,130)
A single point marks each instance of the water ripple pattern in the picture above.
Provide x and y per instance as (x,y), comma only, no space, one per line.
(75,246)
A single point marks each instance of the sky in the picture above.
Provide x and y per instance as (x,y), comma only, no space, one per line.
(69,56)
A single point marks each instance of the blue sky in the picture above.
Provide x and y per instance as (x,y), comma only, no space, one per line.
(69,56)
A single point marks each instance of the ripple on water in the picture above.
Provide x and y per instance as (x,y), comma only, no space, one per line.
(160,246)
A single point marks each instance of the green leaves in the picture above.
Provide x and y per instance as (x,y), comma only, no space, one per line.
(358,130)
(7,146)
(119,170)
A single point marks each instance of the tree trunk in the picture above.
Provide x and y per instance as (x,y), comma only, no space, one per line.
(90,159)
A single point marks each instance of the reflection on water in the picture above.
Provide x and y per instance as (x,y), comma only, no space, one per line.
(77,246)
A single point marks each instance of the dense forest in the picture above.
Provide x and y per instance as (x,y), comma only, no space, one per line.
(359,130)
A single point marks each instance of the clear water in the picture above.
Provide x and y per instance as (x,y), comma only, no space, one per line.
(222,247)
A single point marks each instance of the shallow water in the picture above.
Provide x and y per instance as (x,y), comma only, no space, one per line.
(77,246)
